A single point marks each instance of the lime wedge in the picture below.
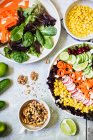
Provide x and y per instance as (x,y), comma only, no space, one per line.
(64,56)
(79,67)
(68,127)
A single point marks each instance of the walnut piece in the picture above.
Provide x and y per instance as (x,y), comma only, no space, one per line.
(34,76)
(22,79)
(47,61)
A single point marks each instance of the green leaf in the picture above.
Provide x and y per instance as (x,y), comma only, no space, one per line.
(30,18)
(6,51)
(17,33)
(28,39)
(19,57)
(33,51)
(40,37)
(48,42)
(48,31)
(28,11)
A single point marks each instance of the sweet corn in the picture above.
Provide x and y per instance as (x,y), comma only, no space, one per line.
(65,98)
(80,20)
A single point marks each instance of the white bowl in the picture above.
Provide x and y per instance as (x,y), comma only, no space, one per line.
(80,2)
(29,127)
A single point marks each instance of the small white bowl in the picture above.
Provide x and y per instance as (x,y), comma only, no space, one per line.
(29,127)
(80,2)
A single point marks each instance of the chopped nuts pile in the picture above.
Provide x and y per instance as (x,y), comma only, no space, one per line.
(34,76)
(22,79)
(34,113)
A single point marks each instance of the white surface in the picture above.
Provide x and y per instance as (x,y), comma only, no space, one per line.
(16,97)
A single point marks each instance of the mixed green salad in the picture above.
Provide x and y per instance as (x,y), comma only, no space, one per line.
(33,32)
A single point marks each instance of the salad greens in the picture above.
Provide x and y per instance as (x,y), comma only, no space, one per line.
(19,57)
(33,52)
(33,32)
(40,37)
(27,39)
(48,42)
(49,31)
(17,33)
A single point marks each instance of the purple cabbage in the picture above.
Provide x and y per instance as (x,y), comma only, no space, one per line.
(17,46)
(37,46)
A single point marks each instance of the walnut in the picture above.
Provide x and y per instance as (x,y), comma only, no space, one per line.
(22,79)
(34,76)
(47,61)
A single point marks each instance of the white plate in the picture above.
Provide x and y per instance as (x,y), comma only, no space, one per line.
(53,12)
(56,58)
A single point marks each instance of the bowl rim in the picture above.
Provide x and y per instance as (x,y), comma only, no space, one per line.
(46,122)
(52,62)
(68,31)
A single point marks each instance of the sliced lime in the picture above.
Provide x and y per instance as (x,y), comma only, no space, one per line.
(68,127)
(79,67)
(64,56)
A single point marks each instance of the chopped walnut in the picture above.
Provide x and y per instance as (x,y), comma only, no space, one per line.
(22,79)
(47,61)
(34,113)
(34,76)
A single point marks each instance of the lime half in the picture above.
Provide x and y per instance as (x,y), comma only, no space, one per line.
(68,127)
(2,127)
(3,69)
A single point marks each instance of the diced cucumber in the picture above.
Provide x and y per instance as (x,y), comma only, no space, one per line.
(72,59)
(64,56)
